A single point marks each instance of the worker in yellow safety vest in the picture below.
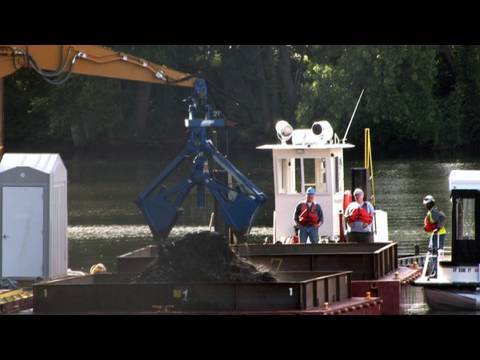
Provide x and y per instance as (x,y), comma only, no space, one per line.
(434,223)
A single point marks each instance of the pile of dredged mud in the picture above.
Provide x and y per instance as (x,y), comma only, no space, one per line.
(199,257)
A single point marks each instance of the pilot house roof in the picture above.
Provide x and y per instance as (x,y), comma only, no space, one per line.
(464,180)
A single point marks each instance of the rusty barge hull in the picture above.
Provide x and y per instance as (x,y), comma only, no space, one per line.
(352,306)
(374,266)
(366,261)
(114,293)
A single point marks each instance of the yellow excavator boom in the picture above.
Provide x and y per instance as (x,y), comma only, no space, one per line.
(87,60)
(56,63)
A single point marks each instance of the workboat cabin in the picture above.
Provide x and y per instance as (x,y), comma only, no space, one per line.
(462,263)
(451,279)
(313,158)
(465,193)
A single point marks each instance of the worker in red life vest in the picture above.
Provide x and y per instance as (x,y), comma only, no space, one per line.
(308,217)
(359,216)
(434,224)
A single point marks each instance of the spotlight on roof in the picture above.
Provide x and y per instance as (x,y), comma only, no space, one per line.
(284,131)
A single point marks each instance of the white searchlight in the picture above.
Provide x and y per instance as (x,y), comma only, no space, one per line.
(323,130)
(284,131)
(320,133)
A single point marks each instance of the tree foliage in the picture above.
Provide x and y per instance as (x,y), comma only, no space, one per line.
(418,96)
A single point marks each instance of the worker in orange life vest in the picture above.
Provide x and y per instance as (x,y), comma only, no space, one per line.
(359,215)
(308,217)
(434,224)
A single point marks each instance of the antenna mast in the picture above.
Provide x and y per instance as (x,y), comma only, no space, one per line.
(353,115)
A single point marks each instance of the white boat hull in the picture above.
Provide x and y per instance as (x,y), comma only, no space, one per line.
(452,299)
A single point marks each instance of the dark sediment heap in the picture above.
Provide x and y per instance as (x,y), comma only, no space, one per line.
(203,256)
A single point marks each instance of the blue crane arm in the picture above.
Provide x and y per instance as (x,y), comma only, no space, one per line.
(247,184)
(162,209)
(164,174)
(237,208)
(238,205)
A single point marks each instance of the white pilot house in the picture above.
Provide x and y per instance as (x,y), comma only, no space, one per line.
(311,158)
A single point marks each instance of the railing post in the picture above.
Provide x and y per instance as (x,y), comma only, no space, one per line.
(342,227)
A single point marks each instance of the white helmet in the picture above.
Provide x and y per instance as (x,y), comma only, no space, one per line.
(428,199)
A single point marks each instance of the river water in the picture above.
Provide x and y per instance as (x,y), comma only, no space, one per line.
(104,222)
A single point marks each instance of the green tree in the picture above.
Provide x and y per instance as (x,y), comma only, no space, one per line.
(416,96)
(398,102)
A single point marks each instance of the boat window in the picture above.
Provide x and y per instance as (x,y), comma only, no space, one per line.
(283,172)
(321,175)
(315,174)
(337,175)
(465,213)
(288,176)
(296,175)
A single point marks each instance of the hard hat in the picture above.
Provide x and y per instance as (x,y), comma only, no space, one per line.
(428,199)
(357,191)
(98,268)
(311,191)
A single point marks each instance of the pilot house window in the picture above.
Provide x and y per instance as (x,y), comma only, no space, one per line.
(337,174)
(465,213)
(315,174)
(298,174)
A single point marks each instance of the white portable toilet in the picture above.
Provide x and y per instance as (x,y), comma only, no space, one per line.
(34,216)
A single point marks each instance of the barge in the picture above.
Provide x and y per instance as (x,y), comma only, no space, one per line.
(374,267)
(325,293)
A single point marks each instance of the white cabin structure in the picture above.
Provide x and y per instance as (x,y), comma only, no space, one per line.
(307,158)
(297,167)
(451,279)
